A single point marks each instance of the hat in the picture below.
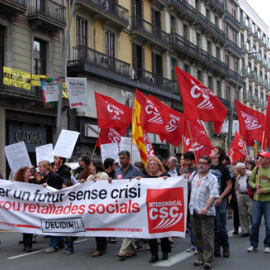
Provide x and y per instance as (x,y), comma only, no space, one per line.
(264,154)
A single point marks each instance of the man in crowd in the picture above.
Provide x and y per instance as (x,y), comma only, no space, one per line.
(223,175)
(260,179)
(109,167)
(204,191)
(83,171)
(243,200)
(172,165)
(126,171)
(62,169)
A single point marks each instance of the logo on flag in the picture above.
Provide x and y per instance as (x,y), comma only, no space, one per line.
(172,124)
(115,110)
(250,121)
(204,93)
(165,212)
(152,110)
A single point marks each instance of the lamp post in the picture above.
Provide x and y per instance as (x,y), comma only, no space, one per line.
(232,106)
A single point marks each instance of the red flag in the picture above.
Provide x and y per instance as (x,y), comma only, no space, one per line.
(266,142)
(108,135)
(199,143)
(251,123)
(199,101)
(238,149)
(148,145)
(111,114)
(151,120)
(174,122)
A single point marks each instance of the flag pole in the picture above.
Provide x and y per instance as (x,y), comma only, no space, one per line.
(192,142)
(98,138)
(263,141)
(131,143)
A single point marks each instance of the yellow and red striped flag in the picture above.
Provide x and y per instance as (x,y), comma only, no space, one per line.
(137,132)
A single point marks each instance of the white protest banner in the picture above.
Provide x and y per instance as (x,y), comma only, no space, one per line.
(235,127)
(50,87)
(149,208)
(109,150)
(125,145)
(65,144)
(17,156)
(77,88)
(45,152)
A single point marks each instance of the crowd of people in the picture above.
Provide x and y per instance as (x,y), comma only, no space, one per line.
(213,186)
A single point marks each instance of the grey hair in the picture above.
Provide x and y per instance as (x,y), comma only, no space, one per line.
(174,160)
(125,153)
(241,165)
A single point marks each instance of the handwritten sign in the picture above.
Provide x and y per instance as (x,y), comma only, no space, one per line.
(44,152)
(125,144)
(65,144)
(17,156)
(109,150)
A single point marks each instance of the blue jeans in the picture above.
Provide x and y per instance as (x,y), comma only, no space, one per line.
(221,235)
(55,240)
(191,234)
(258,210)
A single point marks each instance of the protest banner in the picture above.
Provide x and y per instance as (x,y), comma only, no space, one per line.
(17,156)
(65,144)
(50,88)
(45,152)
(77,89)
(109,150)
(149,208)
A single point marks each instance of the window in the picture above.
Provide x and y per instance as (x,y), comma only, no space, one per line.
(228,93)
(235,38)
(210,82)
(234,13)
(236,66)
(217,52)
(227,31)
(198,36)
(186,68)
(109,43)
(227,60)
(207,13)
(2,38)
(185,31)
(173,24)
(81,32)
(209,50)
(39,57)
(218,88)
(173,63)
(199,75)
(216,21)
(197,5)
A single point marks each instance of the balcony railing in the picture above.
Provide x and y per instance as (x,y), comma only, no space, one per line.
(112,8)
(185,45)
(233,47)
(150,29)
(235,77)
(218,4)
(85,55)
(232,20)
(244,23)
(217,31)
(185,7)
(226,103)
(48,9)
(21,3)
(158,81)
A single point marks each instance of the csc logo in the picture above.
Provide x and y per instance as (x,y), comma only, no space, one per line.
(165,210)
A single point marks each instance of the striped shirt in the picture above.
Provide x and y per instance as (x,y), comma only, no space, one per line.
(201,190)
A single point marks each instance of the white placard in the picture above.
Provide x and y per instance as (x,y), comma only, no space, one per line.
(235,127)
(51,92)
(125,144)
(77,88)
(109,150)
(45,152)
(17,156)
(225,127)
(65,144)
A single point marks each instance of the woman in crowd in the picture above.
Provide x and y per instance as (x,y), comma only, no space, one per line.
(24,175)
(156,169)
(250,165)
(97,173)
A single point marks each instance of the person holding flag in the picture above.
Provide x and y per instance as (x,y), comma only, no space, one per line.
(260,180)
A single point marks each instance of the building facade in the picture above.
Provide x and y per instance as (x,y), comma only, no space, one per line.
(31,43)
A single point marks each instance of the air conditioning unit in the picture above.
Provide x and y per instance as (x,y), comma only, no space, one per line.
(104,60)
(105,5)
(151,79)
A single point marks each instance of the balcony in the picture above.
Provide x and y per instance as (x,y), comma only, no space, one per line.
(252,76)
(226,103)
(258,59)
(235,78)
(233,48)
(49,16)
(250,31)
(216,32)
(13,7)
(267,47)
(216,5)
(149,33)
(157,81)
(243,24)
(159,3)
(228,17)
(184,47)
(268,66)
(85,55)
(244,47)
(106,10)
(184,10)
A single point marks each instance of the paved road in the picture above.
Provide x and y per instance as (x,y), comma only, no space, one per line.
(11,256)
